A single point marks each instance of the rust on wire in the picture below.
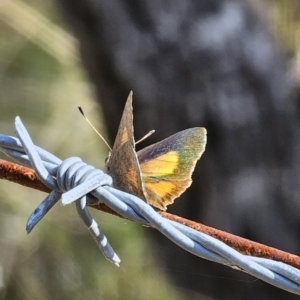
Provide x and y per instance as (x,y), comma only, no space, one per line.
(27,177)
(21,175)
(240,244)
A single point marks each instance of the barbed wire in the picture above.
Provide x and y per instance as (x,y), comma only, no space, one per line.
(72,180)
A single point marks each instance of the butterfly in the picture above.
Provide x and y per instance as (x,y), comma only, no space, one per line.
(159,173)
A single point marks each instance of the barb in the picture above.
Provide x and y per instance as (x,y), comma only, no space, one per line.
(85,185)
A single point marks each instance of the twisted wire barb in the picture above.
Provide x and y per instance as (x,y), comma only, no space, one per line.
(74,181)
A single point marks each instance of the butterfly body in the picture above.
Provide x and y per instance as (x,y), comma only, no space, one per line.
(160,172)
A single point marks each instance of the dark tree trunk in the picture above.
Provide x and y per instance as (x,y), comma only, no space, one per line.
(212,64)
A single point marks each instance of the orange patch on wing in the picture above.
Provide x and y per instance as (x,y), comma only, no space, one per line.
(161,188)
(124,137)
(162,193)
(162,165)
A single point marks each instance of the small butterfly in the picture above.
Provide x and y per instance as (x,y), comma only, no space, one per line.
(160,172)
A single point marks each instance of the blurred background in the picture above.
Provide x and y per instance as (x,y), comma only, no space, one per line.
(230,66)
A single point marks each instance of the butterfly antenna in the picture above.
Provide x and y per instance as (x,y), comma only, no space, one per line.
(99,134)
(146,136)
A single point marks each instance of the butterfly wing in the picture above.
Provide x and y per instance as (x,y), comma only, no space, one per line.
(122,164)
(167,166)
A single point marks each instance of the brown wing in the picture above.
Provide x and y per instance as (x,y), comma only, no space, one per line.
(122,164)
